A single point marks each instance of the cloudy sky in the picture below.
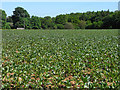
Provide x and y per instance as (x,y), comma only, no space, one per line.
(52,8)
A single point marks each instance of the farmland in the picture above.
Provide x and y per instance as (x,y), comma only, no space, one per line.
(60,59)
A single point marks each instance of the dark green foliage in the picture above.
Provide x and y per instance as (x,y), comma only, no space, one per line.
(89,20)
(35,22)
(60,26)
(68,26)
(88,24)
(82,24)
(8,26)
(2,19)
(112,20)
(107,22)
(9,19)
(48,23)
(61,19)
(20,18)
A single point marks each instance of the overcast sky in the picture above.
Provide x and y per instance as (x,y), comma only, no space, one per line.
(42,9)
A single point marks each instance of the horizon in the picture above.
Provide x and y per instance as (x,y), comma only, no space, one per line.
(53,9)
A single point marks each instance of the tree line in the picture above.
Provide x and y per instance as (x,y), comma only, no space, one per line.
(88,20)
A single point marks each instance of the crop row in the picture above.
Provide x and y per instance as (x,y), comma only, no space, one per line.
(60,58)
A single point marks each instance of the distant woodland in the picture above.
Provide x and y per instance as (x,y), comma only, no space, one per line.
(88,20)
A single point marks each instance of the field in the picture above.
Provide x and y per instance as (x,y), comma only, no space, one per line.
(60,59)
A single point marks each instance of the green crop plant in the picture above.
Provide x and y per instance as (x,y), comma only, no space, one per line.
(60,59)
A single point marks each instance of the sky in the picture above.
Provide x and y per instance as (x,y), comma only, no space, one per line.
(59,0)
(43,8)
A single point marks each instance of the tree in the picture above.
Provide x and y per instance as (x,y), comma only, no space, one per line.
(107,23)
(60,26)
(49,23)
(116,20)
(9,19)
(90,20)
(52,26)
(2,19)
(99,24)
(68,26)
(35,22)
(20,17)
(61,19)
(82,24)
(8,26)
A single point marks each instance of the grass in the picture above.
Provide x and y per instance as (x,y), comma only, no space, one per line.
(60,59)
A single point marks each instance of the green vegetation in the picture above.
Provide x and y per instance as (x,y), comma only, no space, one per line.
(89,20)
(2,19)
(60,58)
(20,18)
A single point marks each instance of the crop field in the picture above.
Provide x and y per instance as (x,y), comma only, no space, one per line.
(60,59)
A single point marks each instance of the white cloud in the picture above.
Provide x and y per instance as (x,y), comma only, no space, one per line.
(59,0)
